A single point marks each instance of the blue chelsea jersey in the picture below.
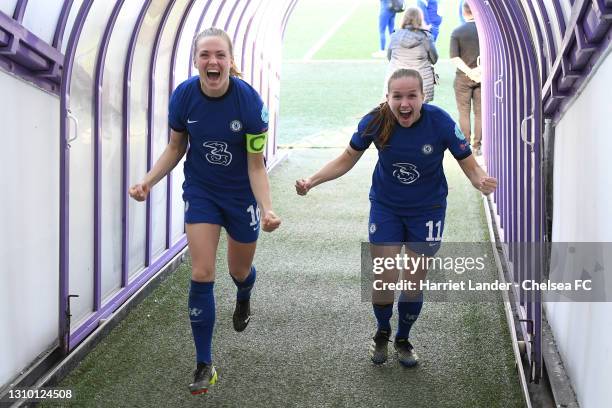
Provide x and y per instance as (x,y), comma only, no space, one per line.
(409,177)
(217,127)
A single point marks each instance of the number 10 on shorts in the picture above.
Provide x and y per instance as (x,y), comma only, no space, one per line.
(255,214)
(430,227)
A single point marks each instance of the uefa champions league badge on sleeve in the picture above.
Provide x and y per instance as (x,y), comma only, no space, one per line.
(264,114)
(459,133)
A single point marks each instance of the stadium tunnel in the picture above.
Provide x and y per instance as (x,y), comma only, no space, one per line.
(85,91)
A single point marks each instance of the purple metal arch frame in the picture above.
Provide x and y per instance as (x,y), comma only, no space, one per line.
(508,138)
(530,11)
(69,340)
(64,216)
(24,54)
(495,36)
(20,10)
(550,42)
(151,104)
(97,143)
(218,13)
(254,51)
(246,39)
(171,86)
(244,9)
(528,261)
(231,14)
(513,69)
(61,24)
(125,176)
(287,15)
(156,265)
(587,37)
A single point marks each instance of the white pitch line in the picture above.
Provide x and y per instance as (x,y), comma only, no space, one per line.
(312,51)
(335,61)
(348,61)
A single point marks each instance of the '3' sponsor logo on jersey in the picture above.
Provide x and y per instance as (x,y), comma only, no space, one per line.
(406,173)
(217,153)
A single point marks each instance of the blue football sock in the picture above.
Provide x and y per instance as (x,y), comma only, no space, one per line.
(244,288)
(202,316)
(383,315)
(408,310)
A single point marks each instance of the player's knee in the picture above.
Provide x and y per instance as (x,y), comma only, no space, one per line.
(411,296)
(203,273)
(240,273)
(383,297)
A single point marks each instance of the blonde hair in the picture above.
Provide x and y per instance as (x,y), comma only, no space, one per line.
(413,18)
(384,121)
(217,32)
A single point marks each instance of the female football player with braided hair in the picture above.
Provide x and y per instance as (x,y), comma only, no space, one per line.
(224,122)
(408,194)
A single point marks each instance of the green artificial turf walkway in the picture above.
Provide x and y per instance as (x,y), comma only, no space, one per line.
(307,342)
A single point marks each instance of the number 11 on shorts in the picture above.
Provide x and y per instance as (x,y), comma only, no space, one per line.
(430,227)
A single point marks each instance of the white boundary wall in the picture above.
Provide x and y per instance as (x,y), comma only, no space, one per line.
(582,213)
(29,224)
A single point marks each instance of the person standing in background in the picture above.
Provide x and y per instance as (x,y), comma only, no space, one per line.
(386,22)
(465,54)
(431,16)
(412,46)
(460,11)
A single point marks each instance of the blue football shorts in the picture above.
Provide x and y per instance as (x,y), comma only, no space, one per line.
(239,216)
(422,233)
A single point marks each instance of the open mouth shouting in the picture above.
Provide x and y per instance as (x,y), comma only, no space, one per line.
(213,82)
(405,114)
(213,75)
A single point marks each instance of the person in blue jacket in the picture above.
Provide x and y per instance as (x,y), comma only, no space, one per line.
(461,17)
(221,123)
(407,196)
(430,12)
(386,23)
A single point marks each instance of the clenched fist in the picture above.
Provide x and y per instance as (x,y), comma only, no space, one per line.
(487,185)
(270,221)
(139,192)
(302,186)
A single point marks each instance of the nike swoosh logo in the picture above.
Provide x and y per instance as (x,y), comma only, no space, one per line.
(191,121)
(247,319)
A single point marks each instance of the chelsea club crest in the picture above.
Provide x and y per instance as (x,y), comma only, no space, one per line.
(235,125)
(427,149)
